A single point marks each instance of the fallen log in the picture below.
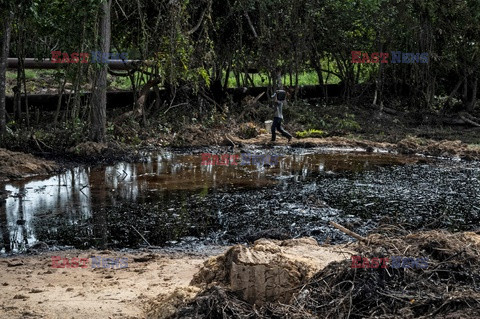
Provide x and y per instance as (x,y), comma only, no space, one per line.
(469,119)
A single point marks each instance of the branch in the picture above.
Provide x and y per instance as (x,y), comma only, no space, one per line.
(205,96)
(195,28)
(255,101)
(139,103)
(141,235)
(331,72)
(233,144)
(250,24)
(348,232)
(174,106)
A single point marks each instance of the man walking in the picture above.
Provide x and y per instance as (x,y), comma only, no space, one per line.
(279,101)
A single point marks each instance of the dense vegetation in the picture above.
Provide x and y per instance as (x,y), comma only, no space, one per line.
(194,48)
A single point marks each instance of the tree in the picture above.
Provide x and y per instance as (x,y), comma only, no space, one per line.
(99,96)
(6,29)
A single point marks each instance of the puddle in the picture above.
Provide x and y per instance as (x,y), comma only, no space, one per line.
(173,198)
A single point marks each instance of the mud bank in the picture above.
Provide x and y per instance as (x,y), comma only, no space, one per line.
(14,165)
(443,148)
(410,145)
(200,137)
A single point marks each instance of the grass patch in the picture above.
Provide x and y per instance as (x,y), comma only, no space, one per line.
(304,78)
(29,74)
(311,133)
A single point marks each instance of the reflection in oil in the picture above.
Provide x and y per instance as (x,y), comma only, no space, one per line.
(74,206)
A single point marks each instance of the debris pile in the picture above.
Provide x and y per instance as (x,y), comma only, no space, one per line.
(448,288)
(270,270)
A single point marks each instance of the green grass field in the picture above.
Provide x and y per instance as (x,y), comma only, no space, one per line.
(124,83)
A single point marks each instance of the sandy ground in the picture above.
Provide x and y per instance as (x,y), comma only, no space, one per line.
(31,288)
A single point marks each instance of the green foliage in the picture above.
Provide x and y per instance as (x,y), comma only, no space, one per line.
(311,133)
(193,45)
(348,123)
(49,139)
(304,78)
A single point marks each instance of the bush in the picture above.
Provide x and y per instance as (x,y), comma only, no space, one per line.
(248,130)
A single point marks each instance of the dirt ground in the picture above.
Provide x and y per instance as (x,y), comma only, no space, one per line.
(31,288)
(162,284)
(155,283)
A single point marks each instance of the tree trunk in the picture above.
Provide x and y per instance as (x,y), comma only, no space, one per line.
(99,96)
(3,220)
(6,29)
(278,77)
(473,99)
(378,99)
(59,101)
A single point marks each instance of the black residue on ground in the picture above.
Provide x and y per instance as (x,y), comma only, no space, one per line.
(408,197)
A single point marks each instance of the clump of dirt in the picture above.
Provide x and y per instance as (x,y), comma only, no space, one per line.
(268,271)
(448,288)
(89,149)
(445,148)
(18,165)
(166,305)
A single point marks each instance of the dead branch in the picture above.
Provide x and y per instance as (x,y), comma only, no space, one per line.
(140,235)
(348,232)
(466,120)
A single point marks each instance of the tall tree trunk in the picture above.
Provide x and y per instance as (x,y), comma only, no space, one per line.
(6,29)
(99,96)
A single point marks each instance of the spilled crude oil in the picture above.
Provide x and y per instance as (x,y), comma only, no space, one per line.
(172,199)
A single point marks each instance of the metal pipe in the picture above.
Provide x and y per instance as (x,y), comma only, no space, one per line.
(30,63)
